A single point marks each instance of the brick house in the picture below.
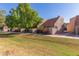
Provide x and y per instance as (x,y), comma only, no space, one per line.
(53,26)
(73,26)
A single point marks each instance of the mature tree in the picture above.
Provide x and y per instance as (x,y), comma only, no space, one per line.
(9,21)
(2,17)
(23,17)
(12,19)
(29,17)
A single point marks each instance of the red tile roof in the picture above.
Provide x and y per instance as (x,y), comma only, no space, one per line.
(50,22)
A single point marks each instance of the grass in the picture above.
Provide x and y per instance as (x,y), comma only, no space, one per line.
(38,45)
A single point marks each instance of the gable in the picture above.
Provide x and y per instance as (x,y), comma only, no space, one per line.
(50,22)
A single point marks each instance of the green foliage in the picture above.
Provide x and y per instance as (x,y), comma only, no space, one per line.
(2,17)
(23,17)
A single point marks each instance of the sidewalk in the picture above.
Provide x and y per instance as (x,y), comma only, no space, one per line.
(63,36)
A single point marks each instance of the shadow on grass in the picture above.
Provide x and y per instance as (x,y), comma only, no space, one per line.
(8,35)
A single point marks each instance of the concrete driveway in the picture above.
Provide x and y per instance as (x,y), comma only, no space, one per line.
(65,36)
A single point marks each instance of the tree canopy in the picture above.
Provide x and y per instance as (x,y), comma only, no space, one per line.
(23,16)
(2,17)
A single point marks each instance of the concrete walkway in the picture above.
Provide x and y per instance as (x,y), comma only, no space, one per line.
(63,36)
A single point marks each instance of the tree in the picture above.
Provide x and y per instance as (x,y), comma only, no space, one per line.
(2,17)
(12,19)
(23,17)
(29,17)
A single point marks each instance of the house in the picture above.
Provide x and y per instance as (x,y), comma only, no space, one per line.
(5,28)
(73,26)
(52,26)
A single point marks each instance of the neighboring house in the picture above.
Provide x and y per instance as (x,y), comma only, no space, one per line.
(5,28)
(73,26)
(53,26)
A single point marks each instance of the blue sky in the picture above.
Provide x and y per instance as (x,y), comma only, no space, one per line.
(49,10)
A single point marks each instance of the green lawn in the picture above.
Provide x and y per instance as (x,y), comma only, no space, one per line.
(37,45)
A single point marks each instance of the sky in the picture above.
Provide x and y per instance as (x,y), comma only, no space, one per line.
(49,10)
